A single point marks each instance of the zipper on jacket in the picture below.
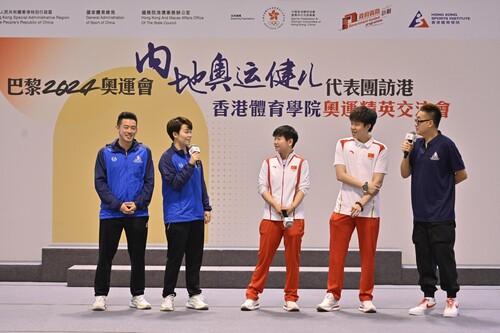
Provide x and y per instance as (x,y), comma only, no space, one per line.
(282,182)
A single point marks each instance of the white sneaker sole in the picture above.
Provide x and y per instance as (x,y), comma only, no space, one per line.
(192,307)
(248,308)
(287,309)
(370,310)
(139,307)
(166,309)
(451,315)
(331,309)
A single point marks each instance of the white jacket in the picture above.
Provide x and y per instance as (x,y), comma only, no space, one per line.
(283,182)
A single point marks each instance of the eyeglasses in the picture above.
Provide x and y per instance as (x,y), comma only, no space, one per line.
(419,121)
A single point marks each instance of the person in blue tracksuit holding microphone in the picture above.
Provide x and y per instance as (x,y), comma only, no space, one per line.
(186,210)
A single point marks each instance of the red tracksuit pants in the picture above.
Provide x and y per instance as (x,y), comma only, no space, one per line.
(341,229)
(271,233)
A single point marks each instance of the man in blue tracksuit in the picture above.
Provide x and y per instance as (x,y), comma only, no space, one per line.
(124,181)
(186,209)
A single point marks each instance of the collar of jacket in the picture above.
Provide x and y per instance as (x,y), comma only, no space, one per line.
(117,148)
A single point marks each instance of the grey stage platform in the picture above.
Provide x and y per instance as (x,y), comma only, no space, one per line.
(54,307)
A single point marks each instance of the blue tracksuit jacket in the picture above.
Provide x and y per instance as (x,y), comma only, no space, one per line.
(121,176)
(184,190)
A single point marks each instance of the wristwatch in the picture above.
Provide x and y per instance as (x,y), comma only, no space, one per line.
(365,187)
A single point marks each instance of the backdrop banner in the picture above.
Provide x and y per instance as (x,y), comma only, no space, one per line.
(238,70)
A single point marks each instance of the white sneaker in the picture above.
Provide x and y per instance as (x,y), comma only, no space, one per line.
(329,304)
(451,309)
(367,307)
(250,305)
(291,306)
(139,302)
(168,303)
(426,306)
(99,304)
(197,302)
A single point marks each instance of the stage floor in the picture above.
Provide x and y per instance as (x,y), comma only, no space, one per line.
(54,307)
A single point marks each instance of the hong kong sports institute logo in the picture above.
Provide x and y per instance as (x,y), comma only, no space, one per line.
(419,21)
(273,18)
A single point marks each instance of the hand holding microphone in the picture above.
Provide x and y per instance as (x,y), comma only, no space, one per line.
(194,151)
(408,144)
(287,220)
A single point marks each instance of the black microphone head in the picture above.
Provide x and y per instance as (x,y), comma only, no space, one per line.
(411,136)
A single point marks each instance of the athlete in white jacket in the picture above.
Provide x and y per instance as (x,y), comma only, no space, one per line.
(283,183)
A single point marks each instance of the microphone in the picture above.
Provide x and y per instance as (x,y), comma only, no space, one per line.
(288,220)
(410,137)
(195,149)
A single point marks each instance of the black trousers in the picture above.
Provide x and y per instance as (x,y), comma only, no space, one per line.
(184,238)
(434,246)
(110,230)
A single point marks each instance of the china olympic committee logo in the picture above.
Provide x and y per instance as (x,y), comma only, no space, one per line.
(273,18)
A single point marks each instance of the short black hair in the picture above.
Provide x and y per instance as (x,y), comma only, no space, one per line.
(125,115)
(288,132)
(364,115)
(434,111)
(175,124)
